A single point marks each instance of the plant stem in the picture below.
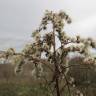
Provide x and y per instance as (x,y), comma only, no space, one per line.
(56,66)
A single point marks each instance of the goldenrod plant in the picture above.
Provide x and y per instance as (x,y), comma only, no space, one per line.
(44,53)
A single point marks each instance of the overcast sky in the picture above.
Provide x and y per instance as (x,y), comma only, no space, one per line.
(19,17)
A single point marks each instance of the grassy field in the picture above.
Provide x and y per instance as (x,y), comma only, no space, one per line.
(13,89)
(24,84)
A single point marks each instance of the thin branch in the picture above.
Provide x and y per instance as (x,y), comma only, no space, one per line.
(48,86)
(67,83)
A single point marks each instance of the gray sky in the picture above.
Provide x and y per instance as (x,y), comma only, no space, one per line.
(19,17)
